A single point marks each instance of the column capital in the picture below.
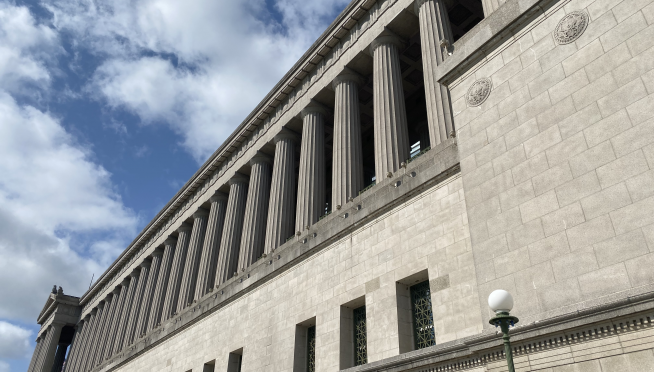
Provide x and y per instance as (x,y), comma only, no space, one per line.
(418,4)
(185,227)
(348,75)
(157,252)
(171,240)
(136,272)
(260,157)
(386,37)
(285,134)
(95,310)
(201,212)
(218,196)
(146,263)
(238,178)
(125,282)
(314,107)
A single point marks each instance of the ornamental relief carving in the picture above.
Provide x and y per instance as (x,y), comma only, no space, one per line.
(570,27)
(479,92)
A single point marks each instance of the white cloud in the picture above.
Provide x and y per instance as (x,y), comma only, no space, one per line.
(198,66)
(4,366)
(14,341)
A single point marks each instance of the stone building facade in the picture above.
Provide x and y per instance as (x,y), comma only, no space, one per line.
(420,155)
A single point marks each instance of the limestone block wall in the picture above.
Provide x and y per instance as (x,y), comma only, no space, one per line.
(428,232)
(557,161)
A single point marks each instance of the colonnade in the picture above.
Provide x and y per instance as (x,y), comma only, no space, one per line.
(261,211)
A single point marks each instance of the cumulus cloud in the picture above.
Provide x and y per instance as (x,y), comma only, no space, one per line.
(198,66)
(14,341)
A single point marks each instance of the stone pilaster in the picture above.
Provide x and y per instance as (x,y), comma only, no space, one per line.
(148,295)
(281,208)
(38,365)
(190,275)
(211,246)
(434,27)
(113,324)
(391,132)
(311,178)
(161,290)
(347,164)
(123,316)
(99,334)
(256,211)
(90,328)
(179,261)
(231,239)
(137,302)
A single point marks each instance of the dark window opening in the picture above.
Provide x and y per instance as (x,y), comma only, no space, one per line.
(360,336)
(423,318)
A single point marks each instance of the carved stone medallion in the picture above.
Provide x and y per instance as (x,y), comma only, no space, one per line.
(479,91)
(571,27)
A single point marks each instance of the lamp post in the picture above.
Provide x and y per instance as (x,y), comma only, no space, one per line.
(501,302)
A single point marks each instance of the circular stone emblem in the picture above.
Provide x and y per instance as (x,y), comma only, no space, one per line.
(571,27)
(479,91)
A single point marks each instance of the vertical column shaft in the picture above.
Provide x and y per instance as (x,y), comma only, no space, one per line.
(179,261)
(256,211)
(88,338)
(38,366)
(35,354)
(281,209)
(190,275)
(211,247)
(51,346)
(311,178)
(347,164)
(78,344)
(114,320)
(434,27)
(124,315)
(97,338)
(161,290)
(60,357)
(137,302)
(148,295)
(391,132)
(231,239)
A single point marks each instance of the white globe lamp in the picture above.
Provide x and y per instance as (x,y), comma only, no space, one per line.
(500,301)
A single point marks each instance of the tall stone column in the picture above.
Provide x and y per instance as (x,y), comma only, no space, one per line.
(148,295)
(78,344)
(123,317)
(45,339)
(391,132)
(347,159)
(190,276)
(35,354)
(231,239)
(99,333)
(256,211)
(113,323)
(434,27)
(137,302)
(311,178)
(90,328)
(50,346)
(161,290)
(281,209)
(179,261)
(211,247)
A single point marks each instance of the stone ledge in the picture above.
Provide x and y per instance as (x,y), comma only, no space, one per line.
(429,169)
(620,305)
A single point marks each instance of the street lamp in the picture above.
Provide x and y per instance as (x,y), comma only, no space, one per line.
(501,302)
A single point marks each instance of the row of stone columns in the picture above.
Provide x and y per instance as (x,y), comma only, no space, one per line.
(259,214)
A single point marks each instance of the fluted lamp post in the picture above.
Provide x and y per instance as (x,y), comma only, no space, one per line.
(501,302)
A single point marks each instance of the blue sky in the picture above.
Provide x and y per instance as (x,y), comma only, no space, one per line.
(107,107)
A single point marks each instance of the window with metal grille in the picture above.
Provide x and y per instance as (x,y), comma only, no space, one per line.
(311,349)
(423,318)
(360,336)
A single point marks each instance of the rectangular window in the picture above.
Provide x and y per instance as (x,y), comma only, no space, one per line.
(235,360)
(360,336)
(311,349)
(209,366)
(423,318)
